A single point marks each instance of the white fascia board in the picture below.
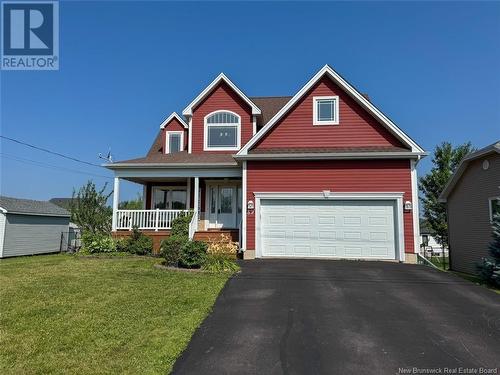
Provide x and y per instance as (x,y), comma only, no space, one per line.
(179,172)
(170,118)
(333,155)
(188,111)
(3,210)
(384,120)
(462,167)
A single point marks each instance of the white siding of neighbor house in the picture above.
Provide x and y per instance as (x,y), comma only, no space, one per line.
(2,232)
(33,234)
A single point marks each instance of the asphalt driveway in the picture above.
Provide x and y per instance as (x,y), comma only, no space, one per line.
(341,317)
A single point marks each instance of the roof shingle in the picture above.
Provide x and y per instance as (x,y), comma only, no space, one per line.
(28,206)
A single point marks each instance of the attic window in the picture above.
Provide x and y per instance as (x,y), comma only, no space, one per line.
(222,131)
(174,142)
(326,110)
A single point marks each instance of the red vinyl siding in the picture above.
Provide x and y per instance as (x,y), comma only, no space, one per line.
(221,98)
(175,125)
(356,126)
(336,176)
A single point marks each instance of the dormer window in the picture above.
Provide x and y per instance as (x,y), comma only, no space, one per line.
(326,110)
(222,131)
(174,142)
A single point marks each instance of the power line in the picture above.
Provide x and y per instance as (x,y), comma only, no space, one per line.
(49,166)
(49,151)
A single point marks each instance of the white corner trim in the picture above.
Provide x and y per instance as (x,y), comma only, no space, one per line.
(206,147)
(384,120)
(190,135)
(170,118)
(254,125)
(415,201)
(188,111)
(335,120)
(167,140)
(394,196)
(244,207)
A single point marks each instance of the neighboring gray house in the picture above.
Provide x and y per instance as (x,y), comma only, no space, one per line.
(30,227)
(472,196)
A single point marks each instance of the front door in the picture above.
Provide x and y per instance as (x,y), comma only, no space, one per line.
(223,206)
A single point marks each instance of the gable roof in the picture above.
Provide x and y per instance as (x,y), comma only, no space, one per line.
(188,111)
(31,207)
(349,89)
(491,149)
(170,118)
(269,106)
(62,202)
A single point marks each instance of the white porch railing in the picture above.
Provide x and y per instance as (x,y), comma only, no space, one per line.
(193,225)
(146,219)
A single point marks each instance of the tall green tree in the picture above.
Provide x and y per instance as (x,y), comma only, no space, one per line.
(445,161)
(89,208)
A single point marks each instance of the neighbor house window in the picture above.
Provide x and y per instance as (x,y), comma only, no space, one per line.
(169,198)
(494,207)
(222,131)
(326,110)
(174,142)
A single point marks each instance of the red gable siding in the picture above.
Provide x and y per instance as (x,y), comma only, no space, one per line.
(174,125)
(357,127)
(337,176)
(221,98)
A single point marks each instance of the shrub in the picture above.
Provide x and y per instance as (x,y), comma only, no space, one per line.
(220,263)
(489,270)
(139,243)
(223,245)
(171,249)
(97,243)
(121,244)
(193,254)
(180,225)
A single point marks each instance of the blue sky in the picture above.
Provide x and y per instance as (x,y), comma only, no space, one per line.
(433,67)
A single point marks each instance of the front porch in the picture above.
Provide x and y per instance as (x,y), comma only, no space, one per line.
(216,201)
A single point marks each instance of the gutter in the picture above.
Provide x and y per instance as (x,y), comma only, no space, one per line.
(333,155)
(168,165)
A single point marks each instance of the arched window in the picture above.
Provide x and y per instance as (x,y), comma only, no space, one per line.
(222,131)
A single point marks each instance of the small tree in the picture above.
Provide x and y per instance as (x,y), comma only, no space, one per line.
(489,270)
(133,204)
(89,209)
(445,161)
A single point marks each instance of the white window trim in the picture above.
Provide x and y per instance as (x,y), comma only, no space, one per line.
(206,147)
(167,140)
(489,206)
(315,110)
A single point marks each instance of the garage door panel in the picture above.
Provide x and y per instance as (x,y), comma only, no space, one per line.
(355,229)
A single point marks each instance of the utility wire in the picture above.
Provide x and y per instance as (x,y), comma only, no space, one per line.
(49,166)
(49,151)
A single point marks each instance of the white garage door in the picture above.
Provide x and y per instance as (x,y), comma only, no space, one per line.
(343,229)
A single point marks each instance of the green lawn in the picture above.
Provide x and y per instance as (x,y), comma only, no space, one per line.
(438,262)
(67,314)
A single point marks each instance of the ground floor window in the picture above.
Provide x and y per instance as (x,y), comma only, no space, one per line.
(494,207)
(169,198)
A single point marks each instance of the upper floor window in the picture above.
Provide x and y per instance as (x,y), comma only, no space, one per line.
(174,142)
(326,110)
(222,131)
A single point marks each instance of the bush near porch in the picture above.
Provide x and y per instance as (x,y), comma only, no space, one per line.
(69,314)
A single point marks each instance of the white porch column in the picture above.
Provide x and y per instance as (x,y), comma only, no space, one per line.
(188,191)
(196,193)
(243,234)
(116,201)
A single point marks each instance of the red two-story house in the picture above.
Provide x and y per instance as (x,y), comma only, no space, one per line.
(321,174)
